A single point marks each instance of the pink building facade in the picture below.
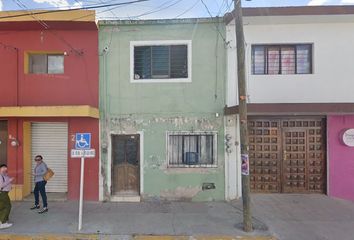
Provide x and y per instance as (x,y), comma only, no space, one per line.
(340,158)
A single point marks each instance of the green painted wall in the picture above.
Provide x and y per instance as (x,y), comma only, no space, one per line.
(155,108)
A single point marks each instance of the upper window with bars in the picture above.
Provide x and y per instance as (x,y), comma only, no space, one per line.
(161,62)
(192,149)
(282,59)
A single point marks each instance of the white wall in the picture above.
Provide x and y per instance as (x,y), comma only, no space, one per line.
(233,188)
(333,59)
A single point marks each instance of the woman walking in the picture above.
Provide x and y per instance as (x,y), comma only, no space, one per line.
(5,203)
(39,172)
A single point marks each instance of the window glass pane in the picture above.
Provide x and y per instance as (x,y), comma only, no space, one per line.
(258,60)
(142,62)
(273,60)
(179,61)
(160,61)
(118,146)
(132,152)
(206,149)
(288,60)
(38,63)
(283,59)
(303,59)
(55,64)
(175,154)
(191,150)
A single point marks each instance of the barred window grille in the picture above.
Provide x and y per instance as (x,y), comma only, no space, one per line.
(192,149)
(160,62)
(282,59)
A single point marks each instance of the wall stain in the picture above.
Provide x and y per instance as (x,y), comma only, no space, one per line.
(180,193)
(128,124)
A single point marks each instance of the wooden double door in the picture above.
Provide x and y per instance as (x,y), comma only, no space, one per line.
(287,155)
(125,165)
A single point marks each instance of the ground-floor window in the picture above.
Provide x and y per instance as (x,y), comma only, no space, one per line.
(192,149)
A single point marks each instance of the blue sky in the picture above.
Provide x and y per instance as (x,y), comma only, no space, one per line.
(159,8)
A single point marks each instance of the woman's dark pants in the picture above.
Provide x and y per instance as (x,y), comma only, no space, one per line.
(40,188)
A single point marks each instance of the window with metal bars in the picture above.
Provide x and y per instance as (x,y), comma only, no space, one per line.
(282,59)
(161,62)
(192,149)
(46,63)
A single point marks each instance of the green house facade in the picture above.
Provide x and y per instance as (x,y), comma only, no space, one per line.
(162,91)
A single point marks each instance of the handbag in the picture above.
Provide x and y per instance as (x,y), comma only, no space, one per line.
(48,175)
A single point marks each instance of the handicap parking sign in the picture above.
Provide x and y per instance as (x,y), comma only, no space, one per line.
(83,141)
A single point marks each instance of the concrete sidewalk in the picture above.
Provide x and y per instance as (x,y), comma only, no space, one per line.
(305,216)
(128,220)
(288,217)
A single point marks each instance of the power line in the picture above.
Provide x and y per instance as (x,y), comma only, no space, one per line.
(109,9)
(224,2)
(24,7)
(103,11)
(163,6)
(229,5)
(46,26)
(158,9)
(189,9)
(78,2)
(74,9)
(216,25)
(68,7)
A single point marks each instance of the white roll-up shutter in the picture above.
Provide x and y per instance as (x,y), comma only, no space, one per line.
(51,141)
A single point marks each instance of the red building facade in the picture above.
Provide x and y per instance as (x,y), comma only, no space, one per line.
(48,92)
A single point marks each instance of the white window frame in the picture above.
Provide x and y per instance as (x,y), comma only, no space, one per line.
(161,43)
(185,133)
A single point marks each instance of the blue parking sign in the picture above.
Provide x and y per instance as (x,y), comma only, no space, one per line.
(83,141)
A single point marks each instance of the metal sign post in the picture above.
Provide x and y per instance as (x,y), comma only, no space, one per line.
(82,150)
(81,192)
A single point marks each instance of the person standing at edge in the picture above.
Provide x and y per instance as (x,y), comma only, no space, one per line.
(39,172)
(5,203)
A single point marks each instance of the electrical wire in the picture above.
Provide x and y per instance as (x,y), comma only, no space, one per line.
(24,7)
(163,6)
(46,27)
(67,7)
(6,46)
(78,2)
(216,26)
(228,7)
(96,13)
(224,2)
(189,9)
(158,9)
(73,9)
(110,10)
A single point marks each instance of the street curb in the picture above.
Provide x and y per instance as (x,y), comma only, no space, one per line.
(204,238)
(124,237)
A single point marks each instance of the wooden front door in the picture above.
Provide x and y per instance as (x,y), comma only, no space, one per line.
(294,161)
(125,165)
(287,155)
(3,142)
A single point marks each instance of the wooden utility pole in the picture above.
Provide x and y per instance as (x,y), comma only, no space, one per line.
(242,93)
